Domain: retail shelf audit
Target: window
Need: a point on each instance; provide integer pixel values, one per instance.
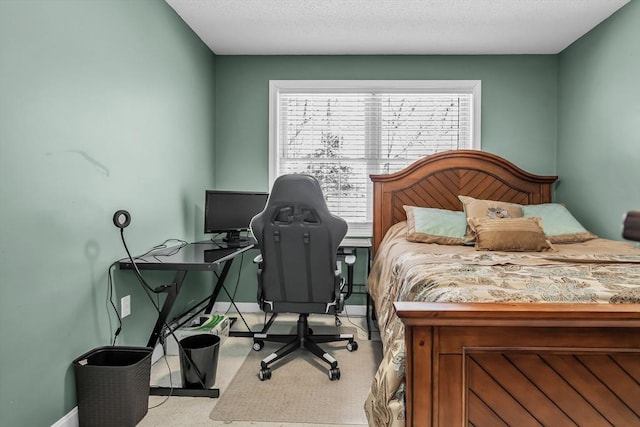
(343, 131)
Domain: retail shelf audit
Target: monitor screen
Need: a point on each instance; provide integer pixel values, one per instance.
(230, 212)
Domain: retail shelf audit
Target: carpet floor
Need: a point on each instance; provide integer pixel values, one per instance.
(299, 389)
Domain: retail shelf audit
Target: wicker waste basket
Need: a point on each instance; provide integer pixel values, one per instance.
(202, 351)
(112, 386)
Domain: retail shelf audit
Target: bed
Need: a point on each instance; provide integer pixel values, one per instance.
(498, 337)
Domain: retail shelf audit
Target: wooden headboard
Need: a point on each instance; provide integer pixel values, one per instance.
(437, 180)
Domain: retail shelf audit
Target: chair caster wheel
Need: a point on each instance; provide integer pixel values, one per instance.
(257, 345)
(338, 322)
(264, 374)
(352, 345)
(309, 331)
(334, 374)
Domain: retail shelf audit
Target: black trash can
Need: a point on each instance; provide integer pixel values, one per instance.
(112, 385)
(202, 350)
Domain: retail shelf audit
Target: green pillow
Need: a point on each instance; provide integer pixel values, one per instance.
(558, 223)
(431, 225)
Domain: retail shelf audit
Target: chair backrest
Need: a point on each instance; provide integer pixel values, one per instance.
(298, 239)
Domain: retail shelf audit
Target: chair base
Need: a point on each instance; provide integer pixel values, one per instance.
(304, 339)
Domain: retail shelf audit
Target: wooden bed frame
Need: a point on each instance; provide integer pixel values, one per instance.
(510, 363)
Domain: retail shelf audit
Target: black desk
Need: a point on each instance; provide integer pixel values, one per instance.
(200, 256)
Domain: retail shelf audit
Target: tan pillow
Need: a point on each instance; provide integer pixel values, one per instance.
(488, 209)
(510, 234)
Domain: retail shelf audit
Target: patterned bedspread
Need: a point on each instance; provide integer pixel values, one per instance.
(596, 271)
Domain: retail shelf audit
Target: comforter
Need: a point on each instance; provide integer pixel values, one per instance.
(596, 271)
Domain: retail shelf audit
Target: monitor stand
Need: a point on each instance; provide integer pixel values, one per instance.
(233, 239)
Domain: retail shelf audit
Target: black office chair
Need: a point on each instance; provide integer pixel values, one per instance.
(298, 240)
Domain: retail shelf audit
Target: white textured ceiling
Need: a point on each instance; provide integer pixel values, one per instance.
(332, 27)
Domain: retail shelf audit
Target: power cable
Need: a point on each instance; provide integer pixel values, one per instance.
(121, 220)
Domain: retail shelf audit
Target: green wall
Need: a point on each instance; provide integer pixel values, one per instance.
(104, 105)
(519, 99)
(599, 123)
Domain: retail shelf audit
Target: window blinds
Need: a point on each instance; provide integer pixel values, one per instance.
(341, 138)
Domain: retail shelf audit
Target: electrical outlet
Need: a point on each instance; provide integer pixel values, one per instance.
(125, 306)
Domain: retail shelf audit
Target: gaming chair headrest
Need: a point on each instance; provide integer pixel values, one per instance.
(302, 192)
(301, 189)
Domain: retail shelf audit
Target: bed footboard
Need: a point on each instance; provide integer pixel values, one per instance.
(521, 364)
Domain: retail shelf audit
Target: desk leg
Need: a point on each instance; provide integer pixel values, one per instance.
(172, 293)
(218, 287)
(349, 280)
(369, 308)
(368, 314)
(216, 291)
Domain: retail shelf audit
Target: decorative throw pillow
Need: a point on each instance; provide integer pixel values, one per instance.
(510, 234)
(559, 225)
(488, 209)
(431, 225)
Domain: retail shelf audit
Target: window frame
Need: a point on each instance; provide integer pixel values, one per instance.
(276, 87)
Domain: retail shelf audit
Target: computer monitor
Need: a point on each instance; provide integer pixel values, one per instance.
(230, 212)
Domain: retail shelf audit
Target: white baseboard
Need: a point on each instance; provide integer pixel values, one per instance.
(243, 307)
(354, 310)
(69, 420)
(158, 352)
